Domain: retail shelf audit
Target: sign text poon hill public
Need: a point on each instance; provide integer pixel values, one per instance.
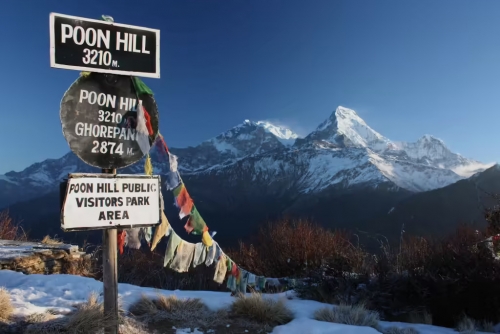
(95, 201)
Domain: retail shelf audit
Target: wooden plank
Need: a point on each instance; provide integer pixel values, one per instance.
(110, 279)
(110, 276)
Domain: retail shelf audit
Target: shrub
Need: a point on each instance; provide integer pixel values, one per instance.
(356, 315)
(165, 311)
(467, 325)
(143, 306)
(174, 304)
(262, 310)
(9, 230)
(297, 247)
(170, 304)
(422, 317)
(6, 308)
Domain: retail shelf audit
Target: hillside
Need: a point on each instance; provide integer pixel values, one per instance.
(343, 174)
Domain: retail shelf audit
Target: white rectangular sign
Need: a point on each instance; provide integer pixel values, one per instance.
(98, 201)
(78, 43)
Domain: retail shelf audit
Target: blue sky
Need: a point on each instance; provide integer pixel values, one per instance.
(407, 67)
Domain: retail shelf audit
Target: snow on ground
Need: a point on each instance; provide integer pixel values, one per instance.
(38, 293)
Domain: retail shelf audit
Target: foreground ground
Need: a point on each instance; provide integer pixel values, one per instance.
(58, 294)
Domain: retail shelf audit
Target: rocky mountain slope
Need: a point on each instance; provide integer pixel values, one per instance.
(438, 212)
(342, 173)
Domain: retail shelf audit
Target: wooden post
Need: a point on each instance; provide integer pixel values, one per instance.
(110, 275)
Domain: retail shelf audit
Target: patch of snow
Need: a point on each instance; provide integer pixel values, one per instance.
(245, 136)
(413, 177)
(66, 170)
(15, 252)
(40, 293)
(472, 168)
(284, 135)
(42, 177)
(329, 168)
(8, 179)
(187, 330)
(223, 146)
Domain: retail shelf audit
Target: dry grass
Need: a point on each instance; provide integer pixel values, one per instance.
(88, 318)
(420, 318)
(170, 304)
(6, 308)
(487, 327)
(466, 326)
(262, 310)
(131, 326)
(174, 304)
(397, 330)
(469, 326)
(37, 318)
(47, 240)
(144, 306)
(356, 315)
(163, 312)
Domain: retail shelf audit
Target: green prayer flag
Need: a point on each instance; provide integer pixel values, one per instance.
(196, 222)
(140, 87)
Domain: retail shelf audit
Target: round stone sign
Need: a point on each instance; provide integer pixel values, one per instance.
(99, 119)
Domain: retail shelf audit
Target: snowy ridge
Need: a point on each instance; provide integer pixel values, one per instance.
(285, 135)
(342, 151)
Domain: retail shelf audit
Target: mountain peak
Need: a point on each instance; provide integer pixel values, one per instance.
(344, 112)
(285, 135)
(244, 139)
(345, 128)
(430, 138)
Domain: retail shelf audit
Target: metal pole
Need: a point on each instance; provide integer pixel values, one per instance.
(110, 275)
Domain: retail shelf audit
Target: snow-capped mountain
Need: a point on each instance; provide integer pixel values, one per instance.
(248, 138)
(346, 129)
(285, 136)
(343, 151)
(344, 174)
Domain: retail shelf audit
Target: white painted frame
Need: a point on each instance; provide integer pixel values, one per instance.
(100, 70)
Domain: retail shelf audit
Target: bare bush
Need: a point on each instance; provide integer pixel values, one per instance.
(262, 310)
(356, 315)
(298, 247)
(9, 230)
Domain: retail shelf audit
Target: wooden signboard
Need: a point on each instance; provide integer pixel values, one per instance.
(100, 201)
(99, 118)
(82, 44)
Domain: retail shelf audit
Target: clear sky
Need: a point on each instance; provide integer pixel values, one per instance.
(407, 67)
